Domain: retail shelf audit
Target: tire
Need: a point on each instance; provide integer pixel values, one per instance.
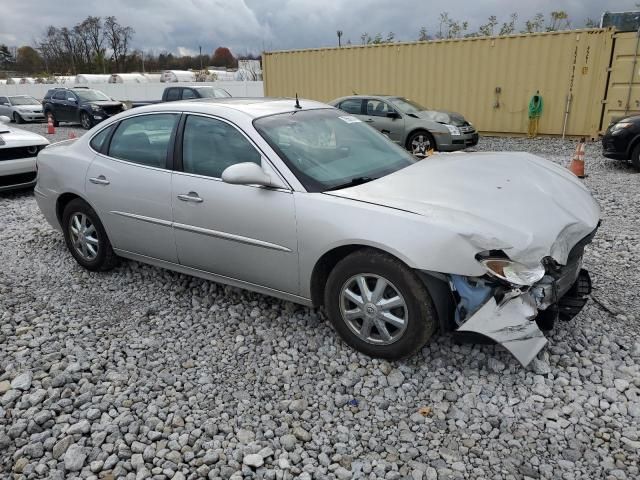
(635, 157)
(103, 258)
(85, 121)
(17, 118)
(48, 113)
(417, 313)
(420, 142)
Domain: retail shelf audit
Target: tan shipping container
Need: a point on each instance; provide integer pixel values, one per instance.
(489, 80)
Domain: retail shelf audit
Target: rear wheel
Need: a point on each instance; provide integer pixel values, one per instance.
(86, 238)
(379, 306)
(420, 142)
(17, 118)
(635, 157)
(85, 120)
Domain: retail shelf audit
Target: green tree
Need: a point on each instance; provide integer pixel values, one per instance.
(28, 60)
(559, 21)
(534, 25)
(487, 29)
(509, 27)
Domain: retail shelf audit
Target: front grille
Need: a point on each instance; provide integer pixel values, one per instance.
(18, 179)
(467, 129)
(18, 152)
(112, 110)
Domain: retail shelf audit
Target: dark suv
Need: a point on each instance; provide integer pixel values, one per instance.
(79, 104)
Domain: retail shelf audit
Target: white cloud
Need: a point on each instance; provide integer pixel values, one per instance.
(254, 25)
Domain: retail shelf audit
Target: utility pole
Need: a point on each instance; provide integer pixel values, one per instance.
(200, 48)
(339, 32)
(142, 61)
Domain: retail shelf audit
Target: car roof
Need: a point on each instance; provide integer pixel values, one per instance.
(387, 97)
(251, 106)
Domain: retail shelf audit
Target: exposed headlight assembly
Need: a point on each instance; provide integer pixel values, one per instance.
(513, 272)
(453, 130)
(95, 108)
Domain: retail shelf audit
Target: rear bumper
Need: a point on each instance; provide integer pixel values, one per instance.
(16, 174)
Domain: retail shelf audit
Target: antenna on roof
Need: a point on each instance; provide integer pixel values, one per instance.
(297, 102)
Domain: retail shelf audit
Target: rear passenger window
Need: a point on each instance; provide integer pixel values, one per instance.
(97, 142)
(209, 146)
(144, 139)
(352, 105)
(173, 94)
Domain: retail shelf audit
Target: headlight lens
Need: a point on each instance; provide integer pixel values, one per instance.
(453, 130)
(620, 126)
(513, 272)
(95, 108)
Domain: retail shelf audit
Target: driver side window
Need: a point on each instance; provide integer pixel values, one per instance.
(209, 146)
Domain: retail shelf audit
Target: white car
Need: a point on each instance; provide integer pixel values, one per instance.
(21, 108)
(304, 202)
(18, 152)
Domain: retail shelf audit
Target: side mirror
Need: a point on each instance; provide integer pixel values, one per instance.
(4, 119)
(248, 173)
(393, 115)
(71, 99)
(6, 104)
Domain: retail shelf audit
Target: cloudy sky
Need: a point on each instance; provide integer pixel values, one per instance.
(255, 25)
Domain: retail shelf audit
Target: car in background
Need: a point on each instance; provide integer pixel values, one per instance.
(416, 128)
(18, 151)
(83, 105)
(190, 92)
(21, 108)
(621, 141)
(304, 202)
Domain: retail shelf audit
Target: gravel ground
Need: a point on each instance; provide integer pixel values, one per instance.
(144, 373)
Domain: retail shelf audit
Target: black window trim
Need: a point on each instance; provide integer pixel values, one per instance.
(177, 154)
(106, 146)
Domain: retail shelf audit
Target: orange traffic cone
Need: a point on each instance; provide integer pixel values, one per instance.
(72, 135)
(577, 163)
(50, 128)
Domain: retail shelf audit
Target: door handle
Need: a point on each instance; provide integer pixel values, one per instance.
(100, 180)
(190, 197)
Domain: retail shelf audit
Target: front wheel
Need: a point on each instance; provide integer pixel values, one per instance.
(420, 143)
(85, 120)
(86, 238)
(379, 306)
(17, 118)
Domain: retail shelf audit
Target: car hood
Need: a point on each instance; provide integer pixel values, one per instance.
(517, 202)
(16, 137)
(440, 116)
(105, 103)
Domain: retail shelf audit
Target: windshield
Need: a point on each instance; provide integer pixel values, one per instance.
(407, 106)
(23, 101)
(210, 92)
(90, 95)
(327, 149)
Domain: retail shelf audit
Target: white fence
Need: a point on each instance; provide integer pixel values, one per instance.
(137, 91)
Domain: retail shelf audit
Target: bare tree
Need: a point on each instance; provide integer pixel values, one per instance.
(509, 27)
(536, 24)
(487, 29)
(118, 38)
(423, 36)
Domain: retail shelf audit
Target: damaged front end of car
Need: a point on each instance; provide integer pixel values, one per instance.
(514, 304)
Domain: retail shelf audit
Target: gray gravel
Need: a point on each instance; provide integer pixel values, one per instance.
(144, 373)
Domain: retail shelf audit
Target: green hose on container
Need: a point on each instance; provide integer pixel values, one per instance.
(535, 112)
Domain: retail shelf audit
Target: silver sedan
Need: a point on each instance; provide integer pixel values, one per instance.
(21, 108)
(307, 203)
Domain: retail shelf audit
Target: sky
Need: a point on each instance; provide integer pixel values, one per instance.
(245, 26)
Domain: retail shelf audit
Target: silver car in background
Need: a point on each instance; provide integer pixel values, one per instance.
(417, 128)
(18, 151)
(21, 108)
(303, 202)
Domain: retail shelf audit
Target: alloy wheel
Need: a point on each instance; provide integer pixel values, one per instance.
(85, 121)
(373, 309)
(420, 145)
(84, 236)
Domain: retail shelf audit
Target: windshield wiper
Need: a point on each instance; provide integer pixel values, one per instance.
(352, 183)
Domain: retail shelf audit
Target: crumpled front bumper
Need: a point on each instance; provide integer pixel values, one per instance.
(516, 317)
